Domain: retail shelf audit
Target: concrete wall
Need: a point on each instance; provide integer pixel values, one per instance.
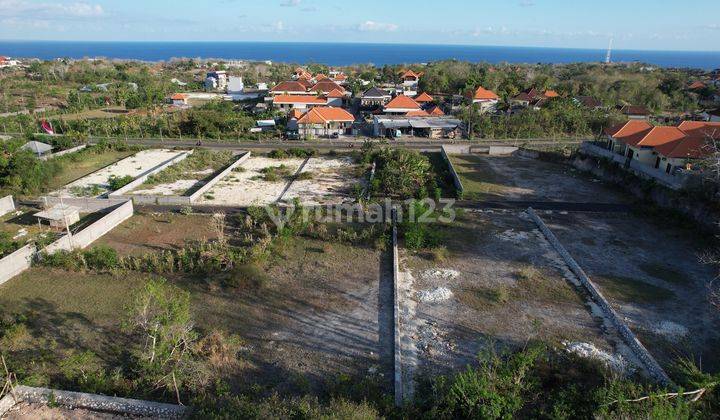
(456, 177)
(397, 348)
(6, 205)
(86, 205)
(94, 402)
(64, 152)
(93, 232)
(16, 263)
(653, 368)
(144, 176)
(205, 188)
(502, 150)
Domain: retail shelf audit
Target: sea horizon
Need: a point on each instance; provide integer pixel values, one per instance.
(347, 53)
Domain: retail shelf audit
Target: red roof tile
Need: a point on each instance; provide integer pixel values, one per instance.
(299, 99)
(485, 95)
(289, 86)
(628, 128)
(322, 115)
(436, 111)
(402, 102)
(423, 98)
(418, 113)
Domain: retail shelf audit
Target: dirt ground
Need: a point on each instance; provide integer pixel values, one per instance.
(523, 179)
(332, 182)
(652, 275)
(319, 315)
(133, 166)
(151, 232)
(246, 187)
(501, 285)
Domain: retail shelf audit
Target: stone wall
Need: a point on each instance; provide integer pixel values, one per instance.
(205, 188)
(653, 368)
(94, 402)
(16, 263)
(456, 177)
(6, 205)
(93, 232)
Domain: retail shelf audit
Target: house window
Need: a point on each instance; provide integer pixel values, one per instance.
(669, 167)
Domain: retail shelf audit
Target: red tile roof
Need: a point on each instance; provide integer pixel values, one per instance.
(689, 147)
(423, 98)
(295, 113)
(335, 93)
(697, 85)
(410, 74)
(340, 77)
(436, 111)
(628, 128)
(289, 86)
(402, 102)
(323, 115)
(550, 94)
(701, 128)
(326, 86)
(299, 99)
(656, 136)
(320, 76)
(178, 96)
(418, 113)
(485, 95)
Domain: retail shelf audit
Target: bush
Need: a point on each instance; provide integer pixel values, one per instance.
(116, 182)
(101, 258)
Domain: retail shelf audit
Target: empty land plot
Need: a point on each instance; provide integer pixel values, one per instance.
(310, 314)
(144, 233)
(257, 182)
(326, 180)
(186, 176)
(96, 183)
(652, 276)
(501, 284)
(83, 163)
(524, 179)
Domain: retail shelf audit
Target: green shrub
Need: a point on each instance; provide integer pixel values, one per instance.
(101, 258)
(116, 182)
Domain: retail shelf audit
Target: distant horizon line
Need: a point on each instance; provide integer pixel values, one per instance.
(351, 43)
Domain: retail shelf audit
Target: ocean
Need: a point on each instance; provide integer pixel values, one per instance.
(336, 54)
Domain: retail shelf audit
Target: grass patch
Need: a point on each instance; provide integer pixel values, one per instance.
(190, 168)
(89, 163)
(664, 273)
(533, 284)
(479, 298)
(478, 178)
(631, 290)
(275, 173)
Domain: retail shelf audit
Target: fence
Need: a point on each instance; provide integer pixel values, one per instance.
(93, 232)
(6, 205)
(652, 366)
(144, 176)
(16, 263)
(456, 177)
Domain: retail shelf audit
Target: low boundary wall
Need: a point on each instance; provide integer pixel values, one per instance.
(93, 402)
(145, 175)
(456, 177)
(64, 152)
(16, 263)
(86, 205)
(184, 200)
(6, 205)
(656, 371)
(93, 232)
(397, 370)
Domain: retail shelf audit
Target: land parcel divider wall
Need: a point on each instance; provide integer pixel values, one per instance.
(653, 368)
(456, 177)
(6, 205)
(120, 193)
(178, 200)
(16, 263)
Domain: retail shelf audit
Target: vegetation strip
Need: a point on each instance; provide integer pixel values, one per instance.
(652, 366)
(398, 385)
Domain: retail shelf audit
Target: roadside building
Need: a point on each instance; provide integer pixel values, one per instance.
(634, 112)
(486, 99)
(324, 87)
(179, 99)
(324, 121)
(216, 80)
(533, 98)
(301, 102)
(374, 97)
(401, 104)
(410, 82)
(589, 102)
(293, 87)
(235, 85)
(424, 99)
(395, 126)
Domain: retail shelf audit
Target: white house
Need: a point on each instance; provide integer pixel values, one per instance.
(235, 85)
(486, 99)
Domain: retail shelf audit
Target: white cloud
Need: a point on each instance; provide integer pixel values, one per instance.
(50, 11)
(290, 3)
(371, 26)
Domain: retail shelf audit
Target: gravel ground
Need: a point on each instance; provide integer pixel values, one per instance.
(332, 182)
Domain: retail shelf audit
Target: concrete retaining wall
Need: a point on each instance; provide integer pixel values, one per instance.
(145, 175)
(652, 366)
(64, 152)
(86, 205)
(16, 263)
(502, 150)
(6, 205)
(456, 177)
(93, 232)
(99, 403)
(205, 188)
(397, 380)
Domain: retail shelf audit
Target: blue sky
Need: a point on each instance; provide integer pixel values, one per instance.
(633, 24)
